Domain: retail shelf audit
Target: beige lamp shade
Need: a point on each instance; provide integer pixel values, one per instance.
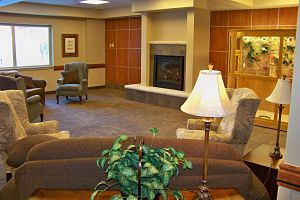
(209, 97)
(281, 94)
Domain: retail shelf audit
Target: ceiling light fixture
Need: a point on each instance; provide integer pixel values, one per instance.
(94, 2)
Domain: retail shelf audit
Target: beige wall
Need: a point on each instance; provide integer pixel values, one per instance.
(168, 26)
(91, 39)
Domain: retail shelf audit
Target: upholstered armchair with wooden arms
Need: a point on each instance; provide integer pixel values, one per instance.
(33, 102)
(235, 128)
(74, 81)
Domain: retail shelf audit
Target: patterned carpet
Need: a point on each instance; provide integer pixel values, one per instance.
(108, 113)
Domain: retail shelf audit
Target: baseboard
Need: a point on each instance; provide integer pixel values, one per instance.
(90, 88)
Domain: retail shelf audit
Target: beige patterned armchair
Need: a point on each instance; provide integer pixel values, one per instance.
(15, 125)
(235, 128)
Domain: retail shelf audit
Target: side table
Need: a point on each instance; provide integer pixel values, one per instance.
(264, 167)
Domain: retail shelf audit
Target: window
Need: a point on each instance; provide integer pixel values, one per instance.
(24, 46)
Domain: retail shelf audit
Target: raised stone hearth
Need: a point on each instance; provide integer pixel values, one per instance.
(156, 96)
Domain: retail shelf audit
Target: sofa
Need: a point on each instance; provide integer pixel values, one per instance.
(32, 86)
(71, 164)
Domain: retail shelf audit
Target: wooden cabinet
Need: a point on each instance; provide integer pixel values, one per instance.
(257, 58)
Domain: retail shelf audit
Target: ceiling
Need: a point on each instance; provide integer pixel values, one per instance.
(73, 3)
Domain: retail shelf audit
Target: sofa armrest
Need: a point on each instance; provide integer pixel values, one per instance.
(84, 82)
(80, 173)
(39, 83)
(33, 99)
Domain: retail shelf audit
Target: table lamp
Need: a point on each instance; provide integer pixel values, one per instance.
(209, 100)
(280, 95)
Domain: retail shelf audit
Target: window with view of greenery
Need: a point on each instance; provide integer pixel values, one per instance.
(24, 46)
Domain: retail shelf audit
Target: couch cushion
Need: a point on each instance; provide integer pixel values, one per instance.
(17, 151)
(69, 87)
(70, 76)
(73, 148)
(28, 81)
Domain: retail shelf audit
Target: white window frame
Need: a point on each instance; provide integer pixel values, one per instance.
(14, 47)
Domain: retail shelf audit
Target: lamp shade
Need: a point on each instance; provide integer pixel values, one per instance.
(209, 97)
(281, 94)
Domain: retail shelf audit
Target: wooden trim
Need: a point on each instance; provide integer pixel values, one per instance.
(96, 66)
(59, 67)
(270, 123)
(289, 177)
(91, 66)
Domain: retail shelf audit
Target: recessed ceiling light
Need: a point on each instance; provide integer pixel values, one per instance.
(94, 2)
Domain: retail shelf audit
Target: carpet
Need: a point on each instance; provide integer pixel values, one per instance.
(108, 113)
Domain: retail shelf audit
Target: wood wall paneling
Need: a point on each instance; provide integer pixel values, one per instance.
(264, 17)
(135, 58)
(239, 18)
(288, 16)
(219, 59)
(219, 18)
(218, 38)
(123, 60)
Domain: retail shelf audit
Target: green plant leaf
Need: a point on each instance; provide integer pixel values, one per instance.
(167, 167)
(177, 194)
(94, 194)
(153, 131)
(104, 152)
(180, 154)
(123, 138)
(187, 164)
(172, 150)
(117, 146)
(127, 171)
(131, 146)
(114, 158)
(101, 162)
(163, 194)
(131, 197)
(116, 197)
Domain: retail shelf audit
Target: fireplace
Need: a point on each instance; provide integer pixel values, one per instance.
(168, 72)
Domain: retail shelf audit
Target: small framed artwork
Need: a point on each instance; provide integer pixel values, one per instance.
(69, 45)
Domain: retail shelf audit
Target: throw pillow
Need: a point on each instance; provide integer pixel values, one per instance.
(28, 81)
(70, 77)
(18, 150)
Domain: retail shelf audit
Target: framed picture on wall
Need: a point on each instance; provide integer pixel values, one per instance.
(69, 45)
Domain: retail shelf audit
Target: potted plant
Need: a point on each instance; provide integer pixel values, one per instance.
(157, 167)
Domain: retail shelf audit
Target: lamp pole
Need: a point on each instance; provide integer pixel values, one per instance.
(203, 192)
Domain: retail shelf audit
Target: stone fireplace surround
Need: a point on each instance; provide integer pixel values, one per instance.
(155, 95)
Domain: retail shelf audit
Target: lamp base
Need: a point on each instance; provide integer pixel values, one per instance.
(203, 192)
(276, 153)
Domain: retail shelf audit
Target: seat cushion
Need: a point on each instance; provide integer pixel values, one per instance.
(69, 87)
(70, 76)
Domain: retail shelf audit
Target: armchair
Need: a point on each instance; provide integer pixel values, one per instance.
(15, 125)
(34, 107)
(235, 128)
(78, 86)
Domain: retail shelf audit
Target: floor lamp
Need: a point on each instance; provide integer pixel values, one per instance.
(280, 95)
(208, 100)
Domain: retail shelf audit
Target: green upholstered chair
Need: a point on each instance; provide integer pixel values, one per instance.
(74, 89)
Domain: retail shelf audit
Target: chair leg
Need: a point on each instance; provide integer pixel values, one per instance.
(42, 117)
(80, 99)
(86, 97)
(57, 99)
(67, 97)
